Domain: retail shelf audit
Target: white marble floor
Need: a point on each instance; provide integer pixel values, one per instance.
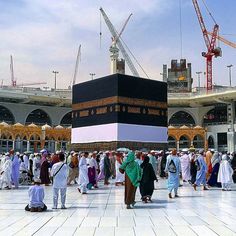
(102, 212)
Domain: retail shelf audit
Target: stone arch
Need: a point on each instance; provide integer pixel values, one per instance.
(198, 141)
(35, 137)
(6, 142)
(211, 142)
(38, 117)
(216, 115)
(172, 142)
(6, 115)
(18, 136)
(180, 118)
(3, 136)
(66, 119)
(7, 134)
(184, 142)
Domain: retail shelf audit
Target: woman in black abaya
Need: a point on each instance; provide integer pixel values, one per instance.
(147, 182)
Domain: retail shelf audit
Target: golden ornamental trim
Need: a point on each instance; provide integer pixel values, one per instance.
(117, 99)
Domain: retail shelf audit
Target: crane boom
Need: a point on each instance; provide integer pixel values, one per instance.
(76, 65)
(201, 22)
(120, 45)
(210, 44)
(13, 81)
(231, 44)
(123, 27)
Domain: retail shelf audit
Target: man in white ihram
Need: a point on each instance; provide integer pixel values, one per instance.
(5, 173)
(83, 174)
(59, 174)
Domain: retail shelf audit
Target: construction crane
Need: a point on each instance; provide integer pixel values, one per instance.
(114, 53)
(13, 80)
(212, 50)
(77, 65)
(122, 30)
(233, 45)
(116, 37)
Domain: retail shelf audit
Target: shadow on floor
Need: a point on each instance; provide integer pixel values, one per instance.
(189, 196)
(81, 207)
(148, 206)
(90, 193)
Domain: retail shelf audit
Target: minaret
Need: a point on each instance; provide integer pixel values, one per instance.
(117, 66)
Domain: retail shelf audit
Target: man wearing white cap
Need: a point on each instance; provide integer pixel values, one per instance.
(36, 196)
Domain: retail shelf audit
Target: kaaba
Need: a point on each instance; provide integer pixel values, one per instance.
(119, 111)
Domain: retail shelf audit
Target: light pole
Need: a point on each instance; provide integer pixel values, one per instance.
(230, 75)
(55, 73)
(199, 74)
(92, 75)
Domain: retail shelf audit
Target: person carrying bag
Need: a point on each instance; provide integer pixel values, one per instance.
(59, 174)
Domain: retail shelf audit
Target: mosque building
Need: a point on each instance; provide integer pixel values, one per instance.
(31, 119)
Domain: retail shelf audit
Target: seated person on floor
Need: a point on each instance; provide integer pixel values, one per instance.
(36, 196)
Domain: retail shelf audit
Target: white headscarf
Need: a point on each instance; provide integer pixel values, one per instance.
(224, 157)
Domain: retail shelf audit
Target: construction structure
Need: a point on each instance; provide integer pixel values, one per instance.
(118, 65)
(78, 58)
(13, 78)
(178, 76)
(212, 50)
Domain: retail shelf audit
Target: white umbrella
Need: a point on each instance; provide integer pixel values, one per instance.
(123, 150)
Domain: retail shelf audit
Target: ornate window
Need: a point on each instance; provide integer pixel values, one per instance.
(181, 118)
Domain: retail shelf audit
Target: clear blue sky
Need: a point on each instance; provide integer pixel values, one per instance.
(44, 35)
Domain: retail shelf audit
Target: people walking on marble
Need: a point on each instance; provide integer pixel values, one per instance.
(15, 168)
(225, 174)
(59, 174)
(73, 167)
(44, 166)
(5, 172)
(173, 169)
(107, 168)
(83, 174)
(132, 179)
(185, 166)
(201, 171)
(147, 181)
(120, 177)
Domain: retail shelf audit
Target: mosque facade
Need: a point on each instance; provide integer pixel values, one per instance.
(33, 119)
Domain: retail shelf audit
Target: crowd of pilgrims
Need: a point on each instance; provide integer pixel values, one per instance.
(132, 169)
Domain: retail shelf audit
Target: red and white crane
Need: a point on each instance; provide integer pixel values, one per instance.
(212, 50)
